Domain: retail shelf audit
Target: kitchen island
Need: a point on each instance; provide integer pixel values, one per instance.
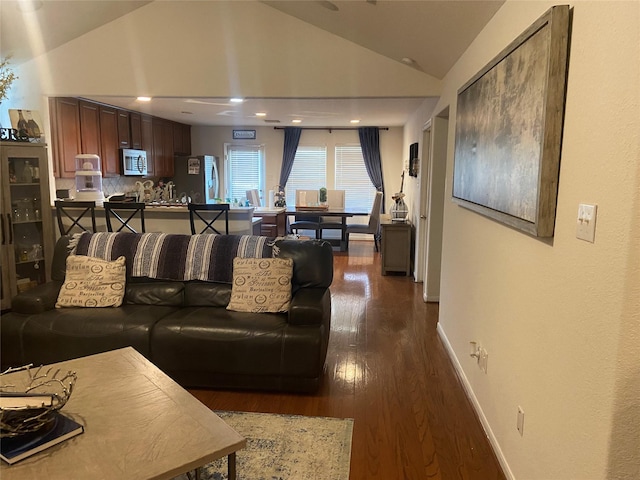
(170, 218)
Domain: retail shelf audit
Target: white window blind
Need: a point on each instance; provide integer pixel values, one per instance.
(352, 176)
(244, 170)
(309, 171)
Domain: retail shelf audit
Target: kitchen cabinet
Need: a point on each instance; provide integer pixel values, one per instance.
(395, 247)
(65, 133)
(124, 133)
(181, 139)
(169, 155)
(146, 143)
(83, 126)
(109, 142)
(135, 125)
(26, 224)
(162, 147)
(89, 127)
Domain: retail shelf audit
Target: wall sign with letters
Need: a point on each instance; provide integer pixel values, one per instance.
(244, 134)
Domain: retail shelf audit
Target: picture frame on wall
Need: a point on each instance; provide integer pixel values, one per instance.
(509, 129)
(414, 161)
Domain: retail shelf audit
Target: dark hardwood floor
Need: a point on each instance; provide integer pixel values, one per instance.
(388, 370)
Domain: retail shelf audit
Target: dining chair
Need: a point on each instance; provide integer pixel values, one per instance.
(216, 210)
(306, 222)
(254, 197)
(68, 209)
(372, 227)
(335, 199)
(118, 210)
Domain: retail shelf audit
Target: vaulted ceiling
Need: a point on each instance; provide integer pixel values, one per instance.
(426, 35)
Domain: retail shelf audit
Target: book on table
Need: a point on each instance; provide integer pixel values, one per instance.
(14, 449)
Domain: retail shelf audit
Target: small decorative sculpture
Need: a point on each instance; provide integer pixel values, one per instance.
(279, 197)
(55, 386)
(399, 210)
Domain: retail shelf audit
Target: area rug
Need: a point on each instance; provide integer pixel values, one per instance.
(286, 447)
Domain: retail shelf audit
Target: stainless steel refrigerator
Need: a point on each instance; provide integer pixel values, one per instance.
(197, 176)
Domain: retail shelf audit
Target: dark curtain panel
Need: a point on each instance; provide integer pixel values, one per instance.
(291, 140)
(370, 143)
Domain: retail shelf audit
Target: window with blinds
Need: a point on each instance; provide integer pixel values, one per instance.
(309, 171)
(244, 170)
(352, 176)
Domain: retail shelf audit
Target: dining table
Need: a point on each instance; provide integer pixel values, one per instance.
(342, 213)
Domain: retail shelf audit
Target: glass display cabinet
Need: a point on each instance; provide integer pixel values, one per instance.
(26, 227)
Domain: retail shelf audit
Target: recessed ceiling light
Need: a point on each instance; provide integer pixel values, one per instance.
(408, 61)
(236, 100)
(261, 114)
(355, 121)
(297, 120)
(144, 99)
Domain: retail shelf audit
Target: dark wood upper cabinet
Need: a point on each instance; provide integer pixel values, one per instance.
(181, 139)
(146, 142)
(65, 130)
(158, 148)
(83, 126)
(135, 124)
(109, 141)
(89, 127)
(169, 150)
(177, 137)
(124, 135)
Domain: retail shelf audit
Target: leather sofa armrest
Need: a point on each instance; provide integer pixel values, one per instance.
(310, 306)
(38, 299)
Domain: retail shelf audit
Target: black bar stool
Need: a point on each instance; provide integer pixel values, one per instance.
(88, 207)
(111, 209)
(209, 220)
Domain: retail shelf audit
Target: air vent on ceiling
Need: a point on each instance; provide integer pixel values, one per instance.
(271, 121)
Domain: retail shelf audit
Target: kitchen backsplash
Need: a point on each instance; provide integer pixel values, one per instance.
(110, 185)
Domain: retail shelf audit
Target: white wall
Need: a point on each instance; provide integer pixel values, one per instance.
(211, 140)
(560, 320)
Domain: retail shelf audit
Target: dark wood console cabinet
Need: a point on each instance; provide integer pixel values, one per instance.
(274, 224)
(395, 248)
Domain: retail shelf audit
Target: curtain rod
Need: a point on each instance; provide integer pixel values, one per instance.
(328, 128)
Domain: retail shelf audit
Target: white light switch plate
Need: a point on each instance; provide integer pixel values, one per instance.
(586, 226)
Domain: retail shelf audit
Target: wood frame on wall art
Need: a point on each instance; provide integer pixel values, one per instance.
(509, 129)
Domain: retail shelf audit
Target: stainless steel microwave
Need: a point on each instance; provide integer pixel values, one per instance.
(134, 162)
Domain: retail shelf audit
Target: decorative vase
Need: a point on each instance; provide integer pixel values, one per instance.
(399, 211)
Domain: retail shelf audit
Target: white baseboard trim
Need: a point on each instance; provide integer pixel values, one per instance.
(476, 405)
(432, 298)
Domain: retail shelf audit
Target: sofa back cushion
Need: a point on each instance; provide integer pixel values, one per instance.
(155, 293)
(312, 262)
(206, 294)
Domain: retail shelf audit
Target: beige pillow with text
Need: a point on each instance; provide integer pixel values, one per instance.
(261, 285)
(92, 282)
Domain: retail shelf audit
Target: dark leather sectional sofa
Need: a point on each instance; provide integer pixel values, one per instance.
(184, 327)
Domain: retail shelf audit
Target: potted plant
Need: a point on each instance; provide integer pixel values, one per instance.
(6, 78)
(322, 196)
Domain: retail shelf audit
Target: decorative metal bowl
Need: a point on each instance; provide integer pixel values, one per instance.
(54, 385)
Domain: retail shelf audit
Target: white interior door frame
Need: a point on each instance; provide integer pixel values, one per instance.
(439, 130)
(423, 202)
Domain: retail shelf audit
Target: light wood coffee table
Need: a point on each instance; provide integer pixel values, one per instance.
(139, 424)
